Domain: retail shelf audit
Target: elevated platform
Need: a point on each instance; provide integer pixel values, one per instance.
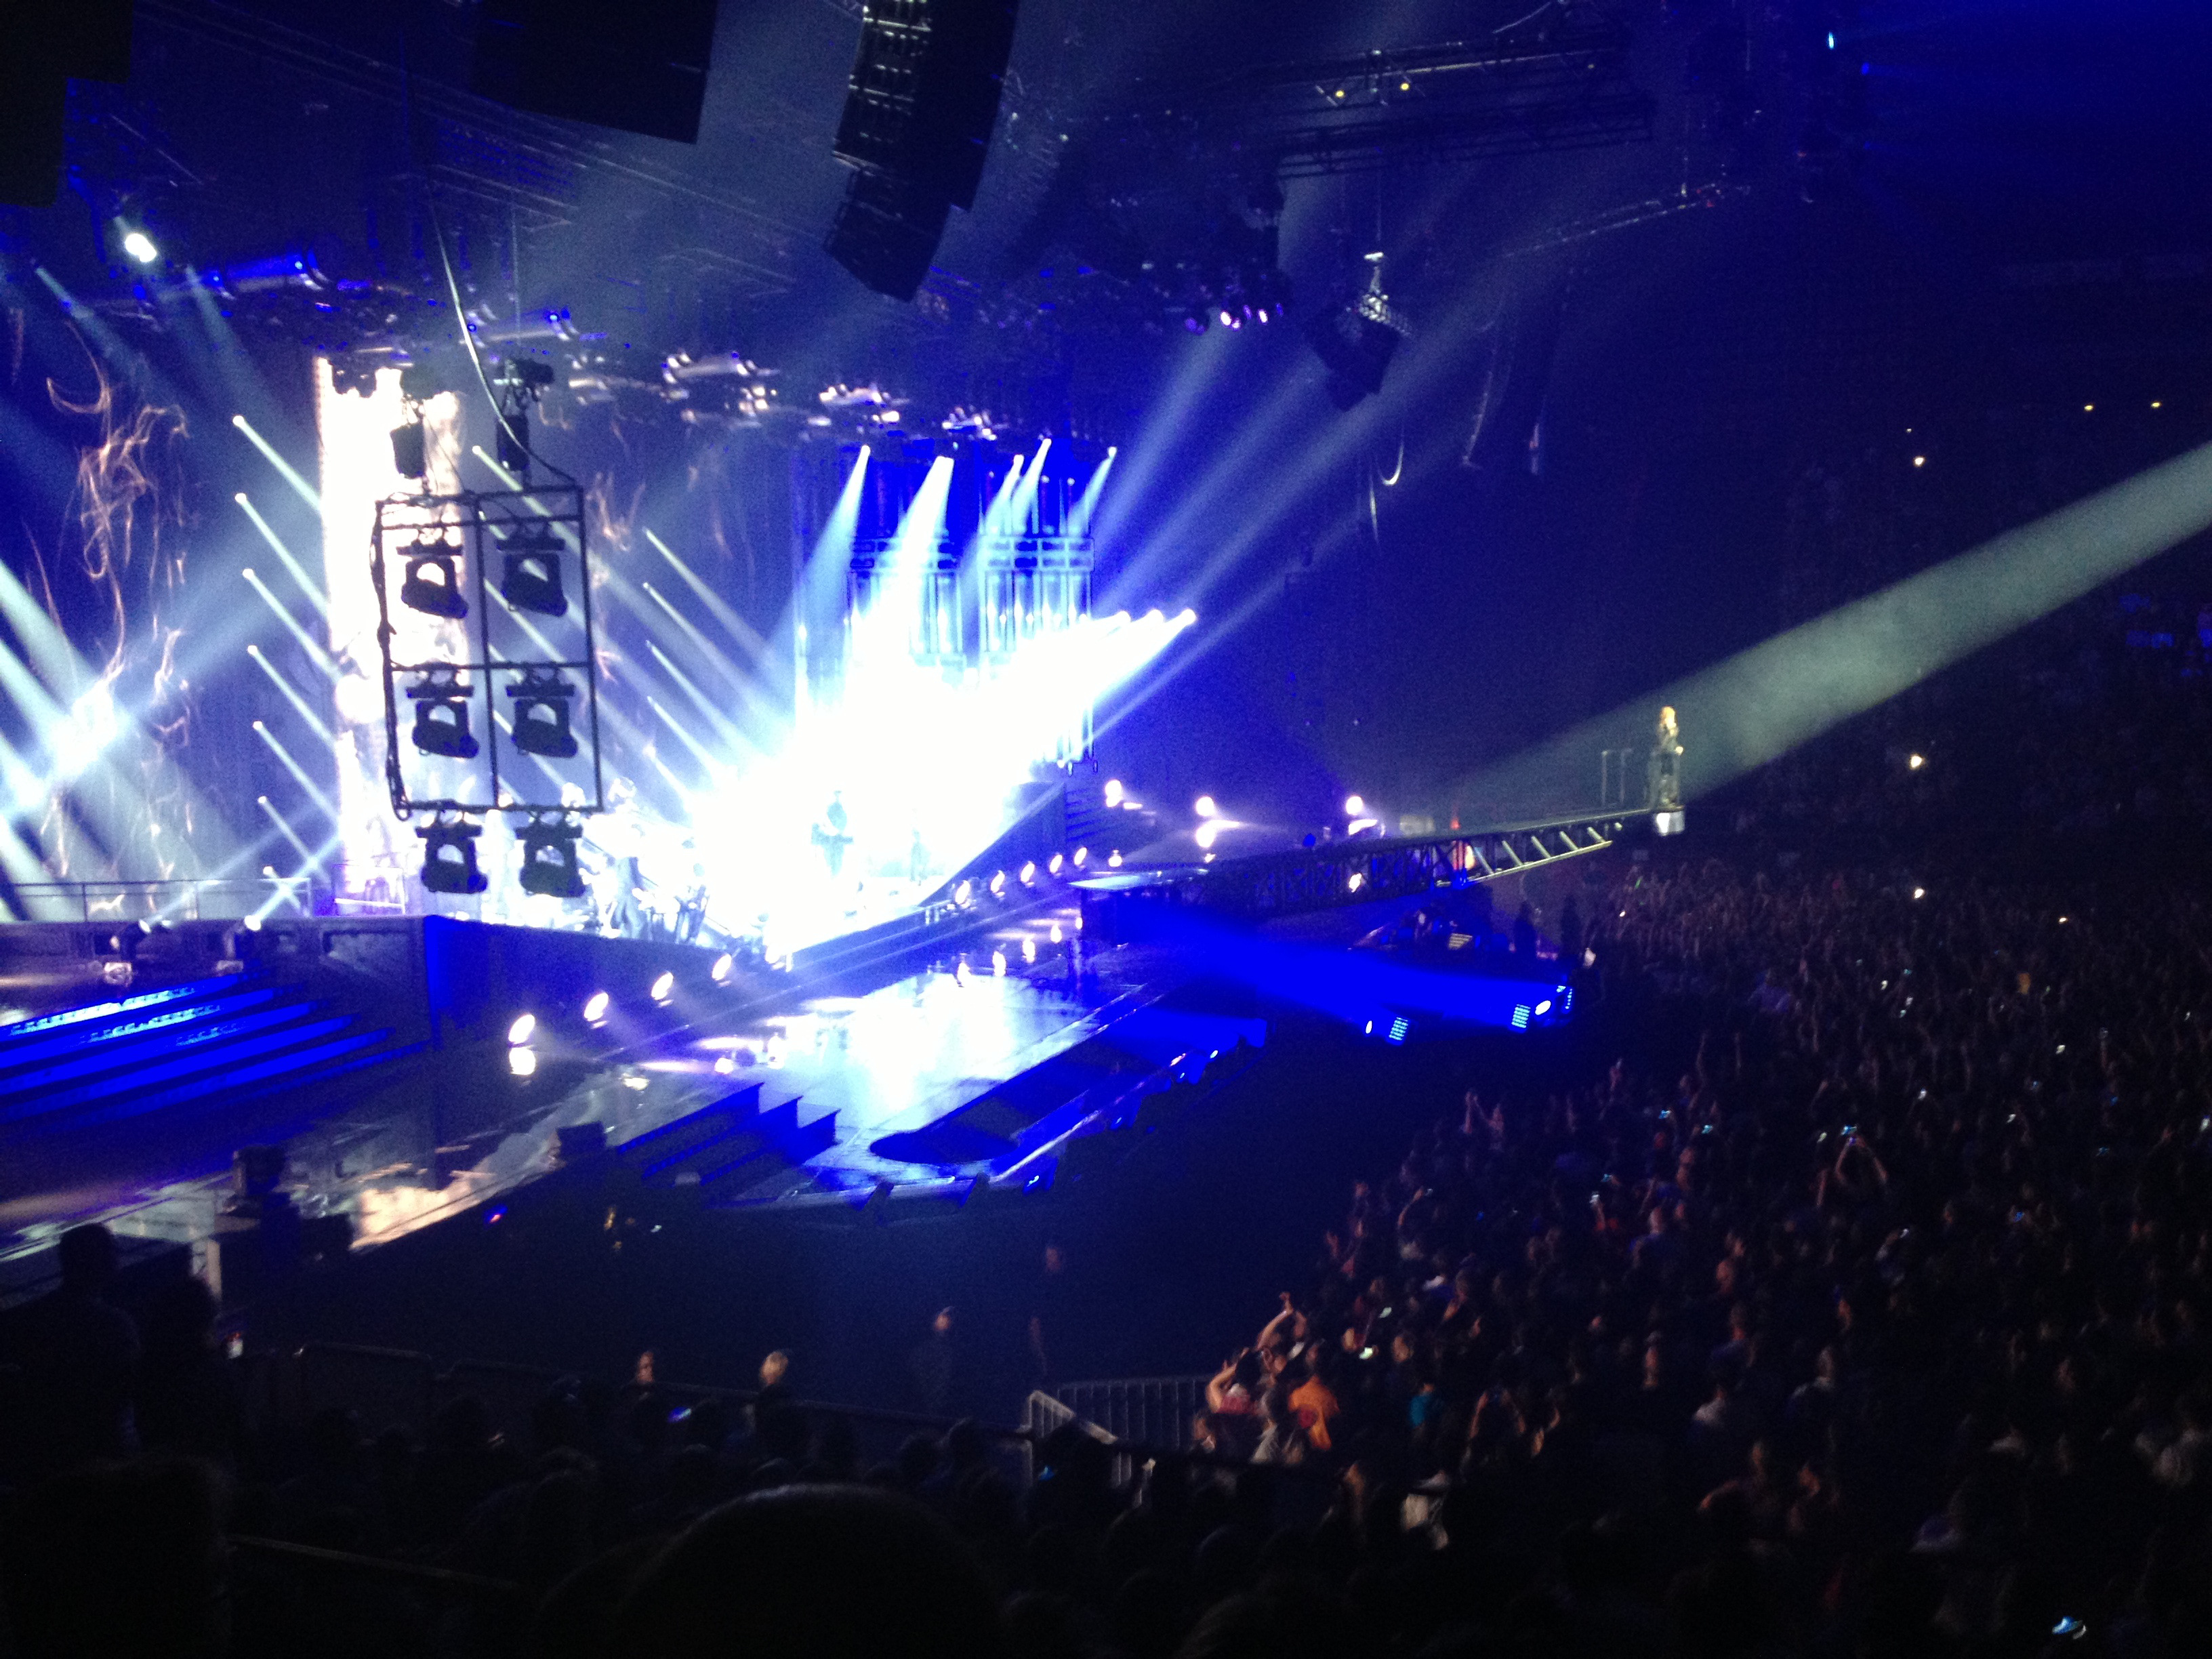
(975, 1042)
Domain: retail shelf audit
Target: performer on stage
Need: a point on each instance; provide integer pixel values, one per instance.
(1667, 764)
(829, 835)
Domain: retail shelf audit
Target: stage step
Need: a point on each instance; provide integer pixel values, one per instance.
(185, 1051)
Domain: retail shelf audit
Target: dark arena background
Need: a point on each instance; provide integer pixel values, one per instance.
(1069, 831)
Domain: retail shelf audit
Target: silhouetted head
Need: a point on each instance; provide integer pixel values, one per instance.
(88, 1259)
(832, 1572)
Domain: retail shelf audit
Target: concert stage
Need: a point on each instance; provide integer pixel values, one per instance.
(416, 1068)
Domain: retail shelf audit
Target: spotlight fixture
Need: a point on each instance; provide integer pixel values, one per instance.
(433, 582)
(724, 964)
(549, 855)
(541, 714)
(441, 716)
(998, 884)
(449, 859)
(140, 246)
(520, 1031)
(531, 579)
(664, 987)
(1357, 340)
(522, 1062)
(1354, 807)
(1028, 874)
(595, 1006)
(1082, 856)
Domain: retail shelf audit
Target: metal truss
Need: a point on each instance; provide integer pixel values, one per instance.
(495, 642)
(1562, 84)
(1360, 872)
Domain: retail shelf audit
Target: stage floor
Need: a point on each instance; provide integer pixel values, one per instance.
(896, 1057)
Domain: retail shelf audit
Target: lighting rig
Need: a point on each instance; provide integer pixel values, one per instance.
(509, 656)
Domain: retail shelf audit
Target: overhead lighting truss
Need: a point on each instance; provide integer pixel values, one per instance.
(1559, 82)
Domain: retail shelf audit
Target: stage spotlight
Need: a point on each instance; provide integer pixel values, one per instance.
(664, 987)
(1029, 950)
(1082, 856)
(449, 859)
(519, 1032)
(1114, 792)
(726, 1064)
(532, 578)
(549, 859)
(442, 716)
(432, 585)
(724, 964)
(1208, 833)
(1229, 318)
(541, 714)
(1358, 340)
(522, 1062)
(595, 1006)
(964, 893)
(1115, 860)
(999, 964)
(1028, 874)
(1204, 808)
(140, 246)
(1916, 762)
(1054, 867)
(1354, 807)
(998, 884)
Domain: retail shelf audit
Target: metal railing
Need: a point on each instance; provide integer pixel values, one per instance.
(1148, 1410)
(183, 898)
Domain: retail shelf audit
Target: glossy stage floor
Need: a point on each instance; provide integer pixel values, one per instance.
(927, 1067)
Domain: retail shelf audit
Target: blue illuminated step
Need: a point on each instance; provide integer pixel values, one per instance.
(166, 1018)
(147, 1047)
(95, 1010)
(225, 1058)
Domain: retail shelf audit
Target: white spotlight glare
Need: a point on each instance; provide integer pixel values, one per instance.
(1028, 874)
(1114, 792)
(140, 246)
(519, 1032)
(595, 1006)
(1115, 860)
(1920, 893)
(1054, 867)
(523, 1062)
(1916, 762)
(998, 884)
(1208, 832)
(723, 966)
(726, 1064)
(664, 987)
(1029, 950)
(1354, 807)
(999, 964)
(1082, 856)
(1204, 808)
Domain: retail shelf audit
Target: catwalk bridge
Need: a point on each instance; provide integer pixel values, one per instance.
(1260, 886)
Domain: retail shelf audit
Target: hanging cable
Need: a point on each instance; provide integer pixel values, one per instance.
(446, 264)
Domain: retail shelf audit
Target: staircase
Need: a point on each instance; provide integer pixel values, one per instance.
(728, 1148)
(165, 1059)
